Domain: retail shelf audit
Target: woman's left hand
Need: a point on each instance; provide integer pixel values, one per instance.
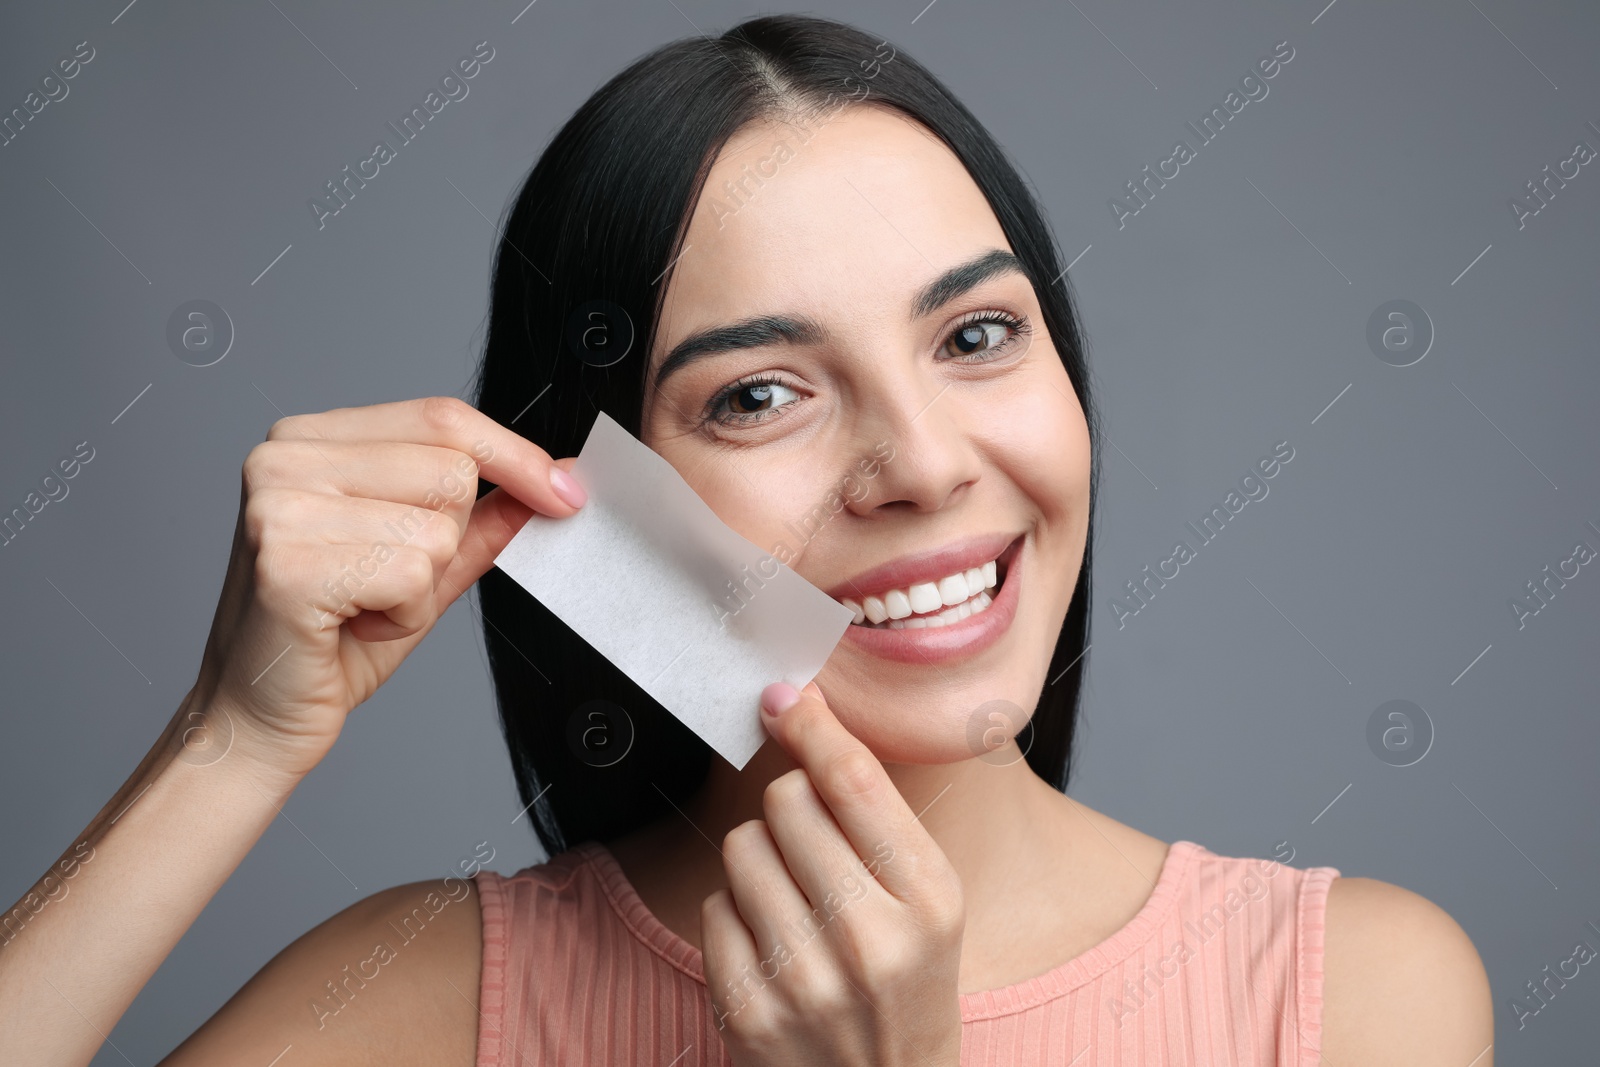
(839, 940)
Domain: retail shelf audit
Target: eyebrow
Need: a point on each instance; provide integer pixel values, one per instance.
(763, 330)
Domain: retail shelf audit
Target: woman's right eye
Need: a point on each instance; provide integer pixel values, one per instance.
(745, 401)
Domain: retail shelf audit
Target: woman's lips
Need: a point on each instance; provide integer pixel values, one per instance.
(931, 645)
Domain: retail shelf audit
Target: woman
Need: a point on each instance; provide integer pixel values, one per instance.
(769, 255)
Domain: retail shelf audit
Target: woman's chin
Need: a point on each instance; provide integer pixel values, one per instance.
(951, 733)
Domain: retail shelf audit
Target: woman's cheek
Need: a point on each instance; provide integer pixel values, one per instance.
(1046, 448)
(776, 510)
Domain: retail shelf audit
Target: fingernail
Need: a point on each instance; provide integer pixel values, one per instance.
(567, 487)
(779, 697)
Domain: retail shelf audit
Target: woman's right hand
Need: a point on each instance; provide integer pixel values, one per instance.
(357, 528)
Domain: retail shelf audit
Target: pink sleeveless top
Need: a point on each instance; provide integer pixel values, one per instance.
(1221, 965)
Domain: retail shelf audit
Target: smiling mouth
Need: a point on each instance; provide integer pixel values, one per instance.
(927, 605)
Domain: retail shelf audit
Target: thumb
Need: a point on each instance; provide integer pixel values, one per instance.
(496, 518)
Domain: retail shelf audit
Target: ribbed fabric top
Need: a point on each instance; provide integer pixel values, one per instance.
(1221, 965)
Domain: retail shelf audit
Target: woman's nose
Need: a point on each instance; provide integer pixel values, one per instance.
(933, 457)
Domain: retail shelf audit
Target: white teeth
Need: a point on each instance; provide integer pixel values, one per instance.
(925, 598)
(914, 607)
(876, 612)
(944, 618)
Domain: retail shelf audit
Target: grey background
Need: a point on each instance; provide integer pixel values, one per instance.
(1225, 317)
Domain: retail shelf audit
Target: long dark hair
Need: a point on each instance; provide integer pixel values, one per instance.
(601, 217)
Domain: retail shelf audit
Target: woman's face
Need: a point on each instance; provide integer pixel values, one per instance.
(878, 418)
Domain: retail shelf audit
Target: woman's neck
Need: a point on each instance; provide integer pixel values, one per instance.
(980, 813)
(1043, 876)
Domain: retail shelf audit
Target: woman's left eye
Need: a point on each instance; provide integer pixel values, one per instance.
(985, 333)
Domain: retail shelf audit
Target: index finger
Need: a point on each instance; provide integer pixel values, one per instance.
(504, 456)
(857, 790)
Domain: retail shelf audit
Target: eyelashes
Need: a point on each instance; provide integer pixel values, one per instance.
(974, 323)
(759, 385)
(977, 328)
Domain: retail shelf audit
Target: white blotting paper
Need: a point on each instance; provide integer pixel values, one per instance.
(698, 616)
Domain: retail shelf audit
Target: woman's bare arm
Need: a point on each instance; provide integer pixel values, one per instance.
(83, 941)
(391, 981)
(357, 529)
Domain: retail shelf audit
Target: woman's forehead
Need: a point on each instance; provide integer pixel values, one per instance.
(843, 218)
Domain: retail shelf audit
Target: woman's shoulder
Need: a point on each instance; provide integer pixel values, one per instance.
(391, 979)
(1403, 983)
